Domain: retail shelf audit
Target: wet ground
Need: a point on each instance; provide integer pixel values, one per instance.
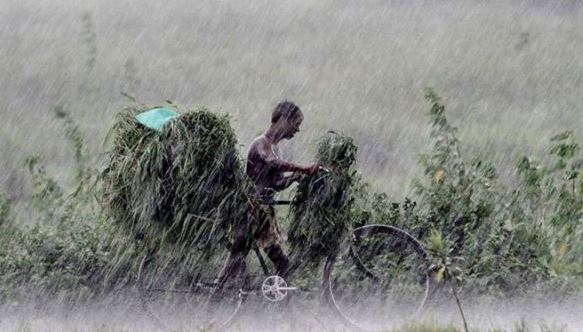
(484, 314)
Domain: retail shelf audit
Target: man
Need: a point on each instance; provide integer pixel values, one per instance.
(267, 171)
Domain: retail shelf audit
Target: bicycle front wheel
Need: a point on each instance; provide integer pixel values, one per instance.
(380, 278)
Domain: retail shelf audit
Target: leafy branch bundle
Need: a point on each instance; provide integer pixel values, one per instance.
(320, 212)
(181, 185)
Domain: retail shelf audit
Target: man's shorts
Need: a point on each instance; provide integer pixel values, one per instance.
(267, 231)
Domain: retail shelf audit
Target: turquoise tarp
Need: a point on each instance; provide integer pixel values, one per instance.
(156, 118)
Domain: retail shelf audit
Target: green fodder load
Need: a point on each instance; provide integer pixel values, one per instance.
(320, 212)
(183, 184)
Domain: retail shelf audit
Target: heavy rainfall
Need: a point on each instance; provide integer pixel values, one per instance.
(330, 165)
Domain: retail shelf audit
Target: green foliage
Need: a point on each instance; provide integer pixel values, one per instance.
(62, 261)
(336, 152)
(427, 327)
(65, 255)
(498, 238)
(5, 210)
(90, 40)
(77, 252)
(75, 136)
(550, 198)
(47, 195)
(184, 185)
(169, 200)
(452, 189)
(320, 212)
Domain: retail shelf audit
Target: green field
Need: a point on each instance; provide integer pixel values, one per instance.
(510, 72)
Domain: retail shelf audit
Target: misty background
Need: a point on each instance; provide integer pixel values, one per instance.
(510, 74)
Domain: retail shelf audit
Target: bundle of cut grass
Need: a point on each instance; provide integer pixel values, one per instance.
(183, 184)
(320, 212)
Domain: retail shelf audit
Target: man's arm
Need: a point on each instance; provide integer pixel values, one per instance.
(286, 181)
(263, 150)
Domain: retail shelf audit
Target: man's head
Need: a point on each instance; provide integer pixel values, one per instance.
(287, 117)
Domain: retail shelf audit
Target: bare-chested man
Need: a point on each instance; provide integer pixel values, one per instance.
(266, 169)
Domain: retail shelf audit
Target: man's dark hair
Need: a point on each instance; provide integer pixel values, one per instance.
(285, 109)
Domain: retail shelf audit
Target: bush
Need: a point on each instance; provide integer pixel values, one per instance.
(503, 238)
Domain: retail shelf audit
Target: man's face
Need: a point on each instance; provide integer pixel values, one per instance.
(292, 126)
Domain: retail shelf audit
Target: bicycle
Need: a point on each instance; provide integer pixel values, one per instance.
(384, 263)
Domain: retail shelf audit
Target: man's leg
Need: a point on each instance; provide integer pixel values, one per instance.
(272, 238)
(281, 262)
(234, 265)
(279, 259)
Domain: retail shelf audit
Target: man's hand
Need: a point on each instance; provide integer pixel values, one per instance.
(312, 169)
(297, 176)
(285, 182)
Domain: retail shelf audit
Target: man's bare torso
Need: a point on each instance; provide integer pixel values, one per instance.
(265, 177)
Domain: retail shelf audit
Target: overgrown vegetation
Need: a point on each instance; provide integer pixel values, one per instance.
(183, 185)
(170, 199)
(506, 238)
(5, 210)
(320, 212)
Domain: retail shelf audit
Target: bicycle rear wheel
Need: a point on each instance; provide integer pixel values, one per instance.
(171, 306)
(380, 279)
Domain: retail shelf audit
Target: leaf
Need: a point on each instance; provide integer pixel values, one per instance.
(439, 176)
(562, 249)
(440, 275)
(577, 164)
(128, 96)
(565, 150)
(435, 241)
(562, 136)
(60, 111)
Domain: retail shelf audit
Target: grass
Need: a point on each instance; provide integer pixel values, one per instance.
(184, 184)
(466, 50)
(486, 236)
(423, 326)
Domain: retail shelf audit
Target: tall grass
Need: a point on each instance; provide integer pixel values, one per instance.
(244, 58)
(493, 238)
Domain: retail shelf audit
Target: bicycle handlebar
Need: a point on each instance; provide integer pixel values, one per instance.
(267, 199)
